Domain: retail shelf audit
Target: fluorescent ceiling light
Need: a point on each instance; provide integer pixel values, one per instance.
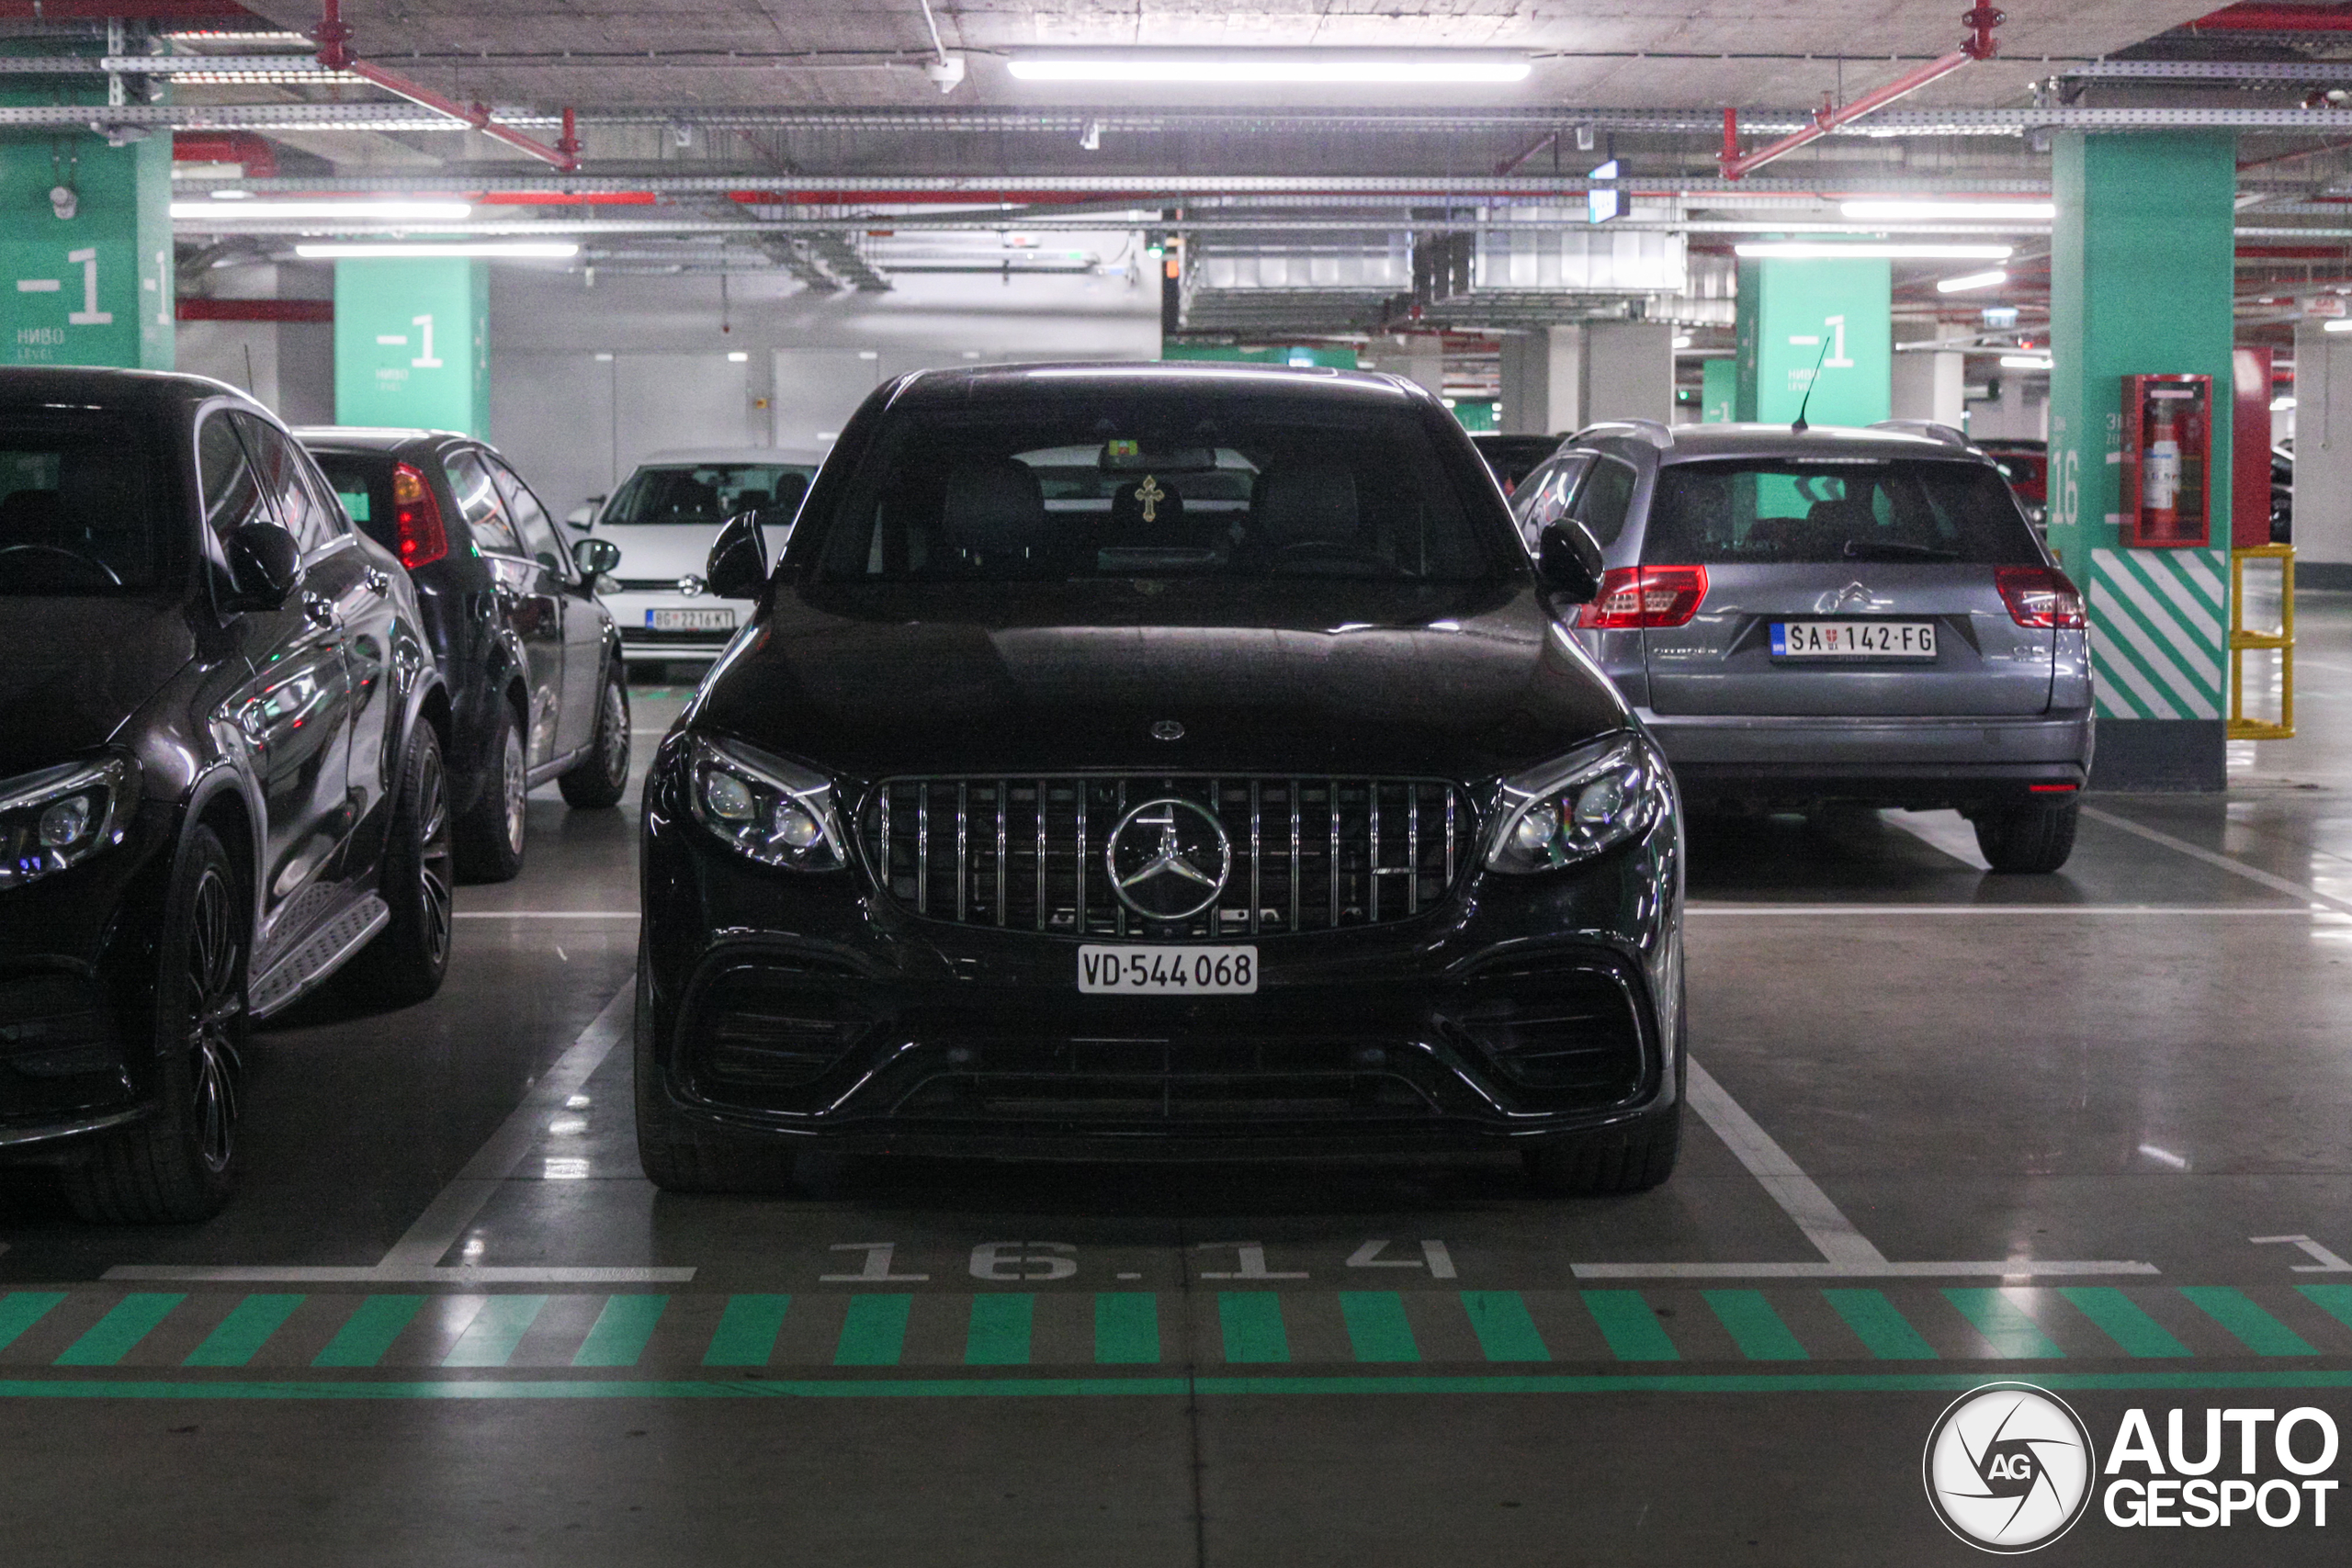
(1683, 342)
(2024, 362)
(2338, 324)
(2281, 405)
(1249, 67)
(263, 211)
(1793, 249)
(345, 250)
(1951, 211)
(1966, 281)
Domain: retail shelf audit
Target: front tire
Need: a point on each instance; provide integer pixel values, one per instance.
(491, 836)
(406, 962)
(180, 1164)
(1631, 1158)
(683, 1156)
(601, 778)
(2028, 840)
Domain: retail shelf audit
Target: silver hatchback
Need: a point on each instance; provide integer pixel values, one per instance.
(1832, 614)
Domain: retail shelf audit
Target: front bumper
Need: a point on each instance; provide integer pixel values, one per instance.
(808, 1007)
(77, 966)
(1920, 762)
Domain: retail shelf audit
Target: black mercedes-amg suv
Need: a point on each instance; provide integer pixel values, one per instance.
(1148, 761)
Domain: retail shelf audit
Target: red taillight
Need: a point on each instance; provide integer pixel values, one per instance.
(1637, 596)
(2040, 596)
(2053, 789)
(418, 518)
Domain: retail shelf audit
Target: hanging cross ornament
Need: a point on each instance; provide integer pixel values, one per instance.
(1151, 495)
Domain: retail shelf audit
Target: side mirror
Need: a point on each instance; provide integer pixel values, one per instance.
(1568, 561)
(739, 558)
(264, 565)
(595, 556)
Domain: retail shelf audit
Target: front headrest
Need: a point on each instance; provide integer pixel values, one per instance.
(1844, 515)
(993, 507)
(1307, 502)
(34, 517)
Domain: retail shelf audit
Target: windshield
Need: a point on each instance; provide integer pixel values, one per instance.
(1153, 485)
(1771, 511)
(707, 494)
(74, 513)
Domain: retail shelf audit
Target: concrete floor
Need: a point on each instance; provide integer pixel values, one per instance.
(1953, 1129)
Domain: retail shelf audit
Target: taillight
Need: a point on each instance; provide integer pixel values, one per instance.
(1638, 596)
(416, 516)
(2040, 596)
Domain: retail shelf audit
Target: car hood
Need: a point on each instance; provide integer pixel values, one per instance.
(1294, 675)
(670, 550)
(72, 669)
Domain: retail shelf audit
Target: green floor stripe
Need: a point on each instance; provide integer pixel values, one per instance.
(1253, 1321)
(2015, 1336)
(2334, 1300)
(1126, 1328)
(2261, 1333)
(490, 1339)
(1153, 1387)
(1630, 1326)
(2122, 1321)
(875, 1332)
(369, 1332)
(1376, 1325)
(19, 1309)
(245, 1331)
(621, 1332)
(998, 1335)
(1881, 1325)
(1754, 1326)
(1505, 1332)
(111, 1337)
(747, 1331)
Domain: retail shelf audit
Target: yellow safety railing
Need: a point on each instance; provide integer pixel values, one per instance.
(2281, 642)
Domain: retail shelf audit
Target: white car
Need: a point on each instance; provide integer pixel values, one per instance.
(663, 518)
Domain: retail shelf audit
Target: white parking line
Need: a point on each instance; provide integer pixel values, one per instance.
(2225, 863)
(415, 1258)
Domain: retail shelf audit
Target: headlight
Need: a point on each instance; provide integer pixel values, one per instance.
(61, 816)
(1574, 808)
(778, 813)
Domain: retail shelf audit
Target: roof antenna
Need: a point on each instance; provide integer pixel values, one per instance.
(1819, 360)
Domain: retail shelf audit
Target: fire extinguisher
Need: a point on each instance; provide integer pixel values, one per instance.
(2160, 474)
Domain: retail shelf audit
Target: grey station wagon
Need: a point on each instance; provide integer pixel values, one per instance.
(1811, 616)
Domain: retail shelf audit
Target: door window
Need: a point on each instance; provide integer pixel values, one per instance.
(1543, 495)
(479, 502)
(1603, 500)
(232, 493)
(531, 519)
(277, 468)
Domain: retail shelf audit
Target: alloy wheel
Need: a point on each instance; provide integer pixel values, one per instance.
(435, 870)
(215, 1016)
(513, 784)
(613, 723)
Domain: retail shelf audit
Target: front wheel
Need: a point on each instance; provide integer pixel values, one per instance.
(599, 779)
(1631, 1158)
(179, 1164)
(410, 956)
(2029, 839)
(491, 836)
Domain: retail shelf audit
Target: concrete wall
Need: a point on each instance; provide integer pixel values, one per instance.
(2323, 457)
(1929, 385)
(1628, 371)
(287, 366)
(2021, 414)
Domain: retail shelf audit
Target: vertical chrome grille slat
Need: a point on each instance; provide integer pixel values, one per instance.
(985, 891)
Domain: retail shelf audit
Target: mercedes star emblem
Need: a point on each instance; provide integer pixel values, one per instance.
(1168, 729)
(1168, 859)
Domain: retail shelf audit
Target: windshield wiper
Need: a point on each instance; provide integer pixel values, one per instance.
(1894, 549)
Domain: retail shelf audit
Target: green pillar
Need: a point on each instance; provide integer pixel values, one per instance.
(1718, 391)
(96, 287)
(1797, 314)
(2141, 282)
(411, 344)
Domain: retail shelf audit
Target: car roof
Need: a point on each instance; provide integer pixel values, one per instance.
(989, 383)
(369, 437)
(1698, 442)
(795, 455)
(103, 386)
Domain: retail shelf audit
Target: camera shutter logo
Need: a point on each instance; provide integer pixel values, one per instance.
(2010, 1468)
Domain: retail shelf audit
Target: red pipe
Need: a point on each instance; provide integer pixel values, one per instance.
(1981, 45)
(258, 156)
(2278, 19)
(334, 36)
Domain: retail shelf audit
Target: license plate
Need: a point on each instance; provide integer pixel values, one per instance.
(691, 620)
(1168, 971)
(1853, 639)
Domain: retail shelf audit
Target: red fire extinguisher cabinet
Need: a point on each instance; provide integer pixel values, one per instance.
(2167, 490)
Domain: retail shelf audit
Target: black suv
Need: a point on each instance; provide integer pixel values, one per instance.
(221, 775)
(1130, 762)
(536, 687)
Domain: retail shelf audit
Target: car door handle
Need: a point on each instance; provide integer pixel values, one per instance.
(320, 612)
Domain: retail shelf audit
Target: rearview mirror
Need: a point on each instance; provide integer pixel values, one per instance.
(595, 556)
(264, 564)
(738, 568)
(1568, 561)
